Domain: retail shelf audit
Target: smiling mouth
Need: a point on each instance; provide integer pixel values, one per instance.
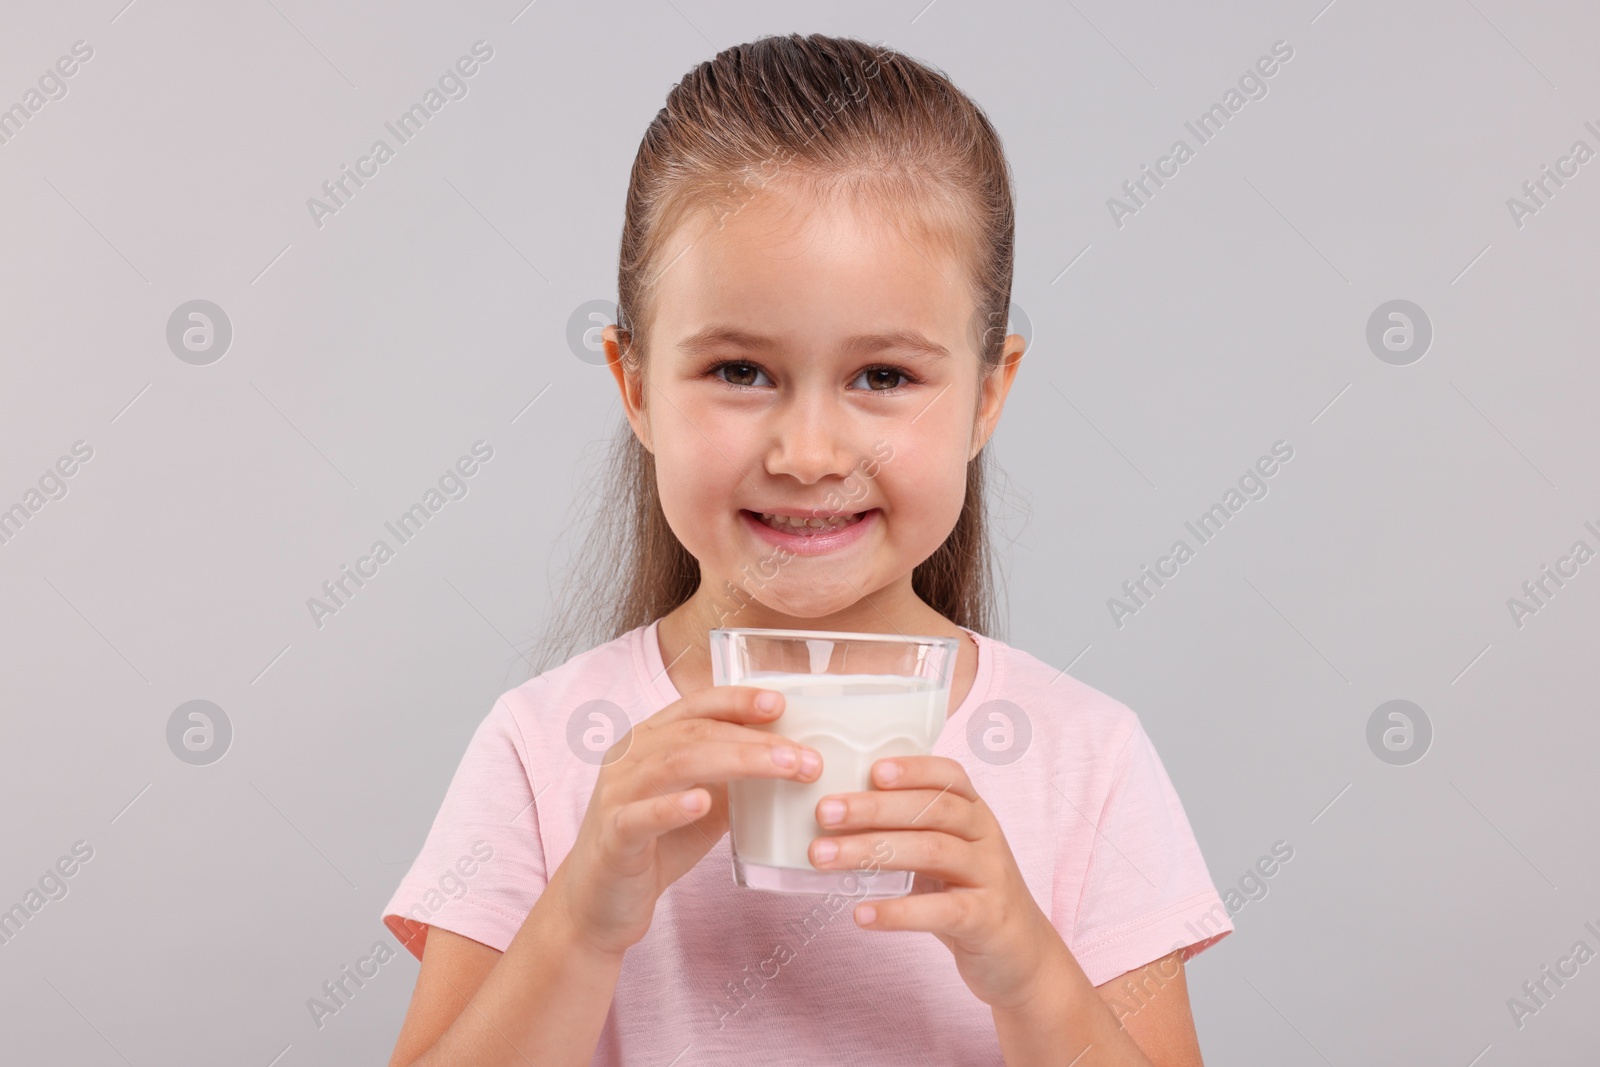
(806, 525)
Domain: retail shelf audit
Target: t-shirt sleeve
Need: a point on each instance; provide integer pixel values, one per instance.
(482, 865)
(1147, 892)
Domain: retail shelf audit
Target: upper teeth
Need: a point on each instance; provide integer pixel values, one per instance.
(801, 522)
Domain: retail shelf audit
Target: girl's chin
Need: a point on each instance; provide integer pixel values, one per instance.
(800, 607)
(756, 583)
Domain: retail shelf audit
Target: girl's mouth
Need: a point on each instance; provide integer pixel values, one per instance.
(806, 535)
(804, 524)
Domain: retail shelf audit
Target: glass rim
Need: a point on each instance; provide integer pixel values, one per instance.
(837, 635)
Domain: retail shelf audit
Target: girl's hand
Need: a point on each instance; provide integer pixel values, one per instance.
(935, 823)
(661, 802)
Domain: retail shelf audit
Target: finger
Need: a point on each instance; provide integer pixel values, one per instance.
(923, 772)
(680, 766)
(697, 730)
(951, 912)
(637, 824)
(903, 809)
(937, 855)
(734, 703)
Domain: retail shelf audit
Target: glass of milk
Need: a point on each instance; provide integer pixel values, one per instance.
(854, 697)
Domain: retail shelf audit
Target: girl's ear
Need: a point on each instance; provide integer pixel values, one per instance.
(630, 382)
(993, 389)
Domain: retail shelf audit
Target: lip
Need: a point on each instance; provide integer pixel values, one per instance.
(811, 544)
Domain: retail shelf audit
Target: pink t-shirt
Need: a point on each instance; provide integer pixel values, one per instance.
(725, 972)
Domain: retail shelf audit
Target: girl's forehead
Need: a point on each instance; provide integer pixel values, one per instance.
(792, 262)
(784, 221)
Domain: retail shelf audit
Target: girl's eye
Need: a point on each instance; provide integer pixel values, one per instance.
(741, 372)
(879, 379)
(882, 379)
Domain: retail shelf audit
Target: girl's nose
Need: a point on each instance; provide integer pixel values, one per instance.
(810, 440)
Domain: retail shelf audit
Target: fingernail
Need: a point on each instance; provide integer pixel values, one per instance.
(865, 914)
(888, 772)
(783, 757)
(831, 811)
(825, 849)
(768, 701)
(810, 762)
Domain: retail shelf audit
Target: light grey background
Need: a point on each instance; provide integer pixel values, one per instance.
(368, 354)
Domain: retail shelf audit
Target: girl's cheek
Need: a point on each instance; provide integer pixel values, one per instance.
(927, 480)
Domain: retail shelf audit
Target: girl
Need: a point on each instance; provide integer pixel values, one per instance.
(817, 231)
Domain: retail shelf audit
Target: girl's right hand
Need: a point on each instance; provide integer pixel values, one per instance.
(659, 806)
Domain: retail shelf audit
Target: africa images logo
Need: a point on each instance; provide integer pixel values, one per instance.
(338, 192)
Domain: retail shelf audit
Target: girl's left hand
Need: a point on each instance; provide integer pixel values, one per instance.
(934, 822)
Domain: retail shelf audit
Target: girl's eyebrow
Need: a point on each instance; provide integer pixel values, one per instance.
(911, 341)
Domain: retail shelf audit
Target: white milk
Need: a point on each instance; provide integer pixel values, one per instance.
(852, 720)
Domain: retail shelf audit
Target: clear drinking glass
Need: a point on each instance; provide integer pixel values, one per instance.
(854, 697)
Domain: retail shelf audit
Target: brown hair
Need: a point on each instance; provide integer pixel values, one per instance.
(832, 114)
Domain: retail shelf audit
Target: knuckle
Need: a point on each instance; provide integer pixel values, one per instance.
(617, 824)
(873, 851)
(674, 758)
(980, 823)
(606, 795)
(965, 915)
(863, 810)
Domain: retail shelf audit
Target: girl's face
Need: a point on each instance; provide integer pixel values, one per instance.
(811, 361)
